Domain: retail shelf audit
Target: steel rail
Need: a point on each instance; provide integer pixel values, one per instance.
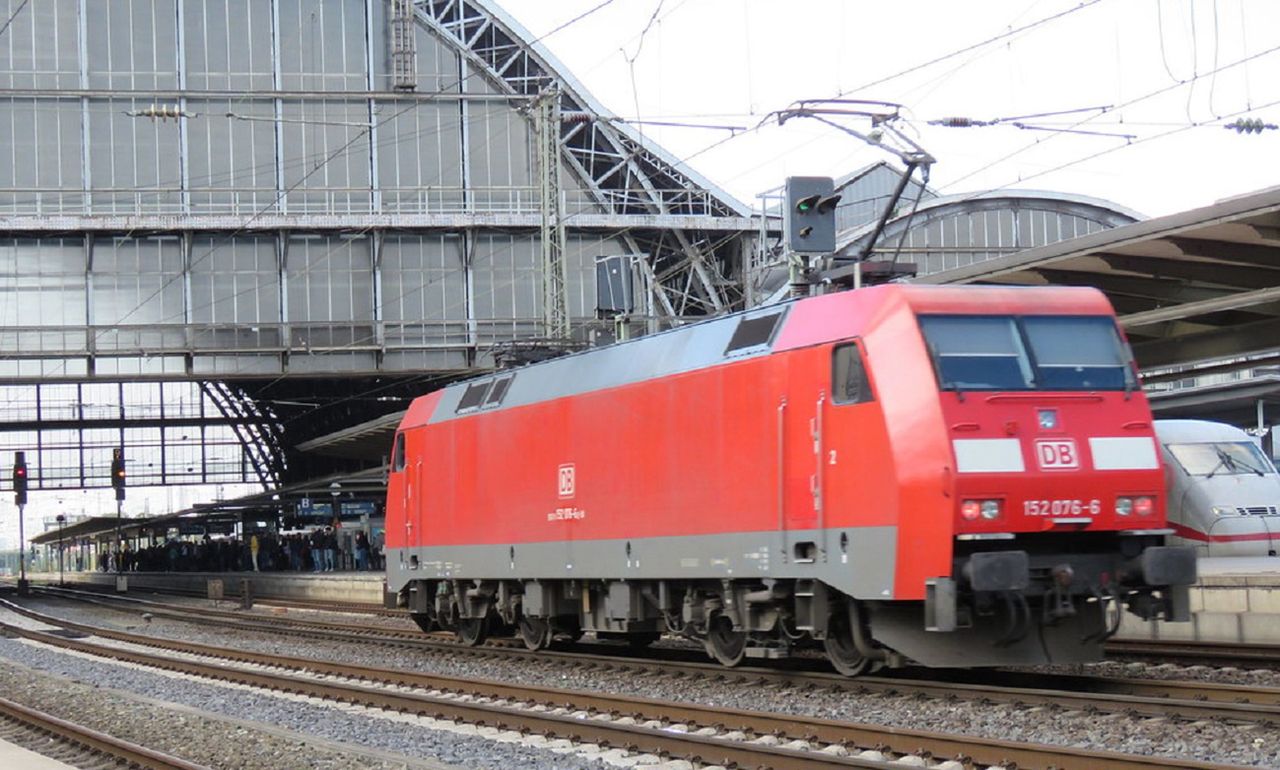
(903, 741)
(131, 754)
(1149, 697)
(1206, 652)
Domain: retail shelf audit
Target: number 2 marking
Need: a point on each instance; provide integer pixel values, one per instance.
(831, 459)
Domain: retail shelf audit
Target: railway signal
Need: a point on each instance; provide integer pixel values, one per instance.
(118, 472)
(117, 481)
(20, 478)
(20, 499)
(809, 219)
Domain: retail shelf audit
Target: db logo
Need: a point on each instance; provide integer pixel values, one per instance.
(1057, 454)
(565, 481)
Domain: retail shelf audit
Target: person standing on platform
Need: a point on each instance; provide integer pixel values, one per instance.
(330, 548)
(362, 551)
(317, 550)
(254, 547)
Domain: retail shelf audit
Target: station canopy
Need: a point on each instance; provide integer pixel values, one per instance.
(1197, 292)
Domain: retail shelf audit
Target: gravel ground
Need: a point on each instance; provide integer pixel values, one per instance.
(212, 725)
(1206, 741)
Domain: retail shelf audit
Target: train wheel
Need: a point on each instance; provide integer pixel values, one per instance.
(473, 631)
(724, 644)
(840, 647)
(535, 632)
(424, 620)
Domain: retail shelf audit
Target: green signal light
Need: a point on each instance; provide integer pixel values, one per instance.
(807, 203)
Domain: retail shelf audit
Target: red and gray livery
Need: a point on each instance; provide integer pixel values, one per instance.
(957, 476)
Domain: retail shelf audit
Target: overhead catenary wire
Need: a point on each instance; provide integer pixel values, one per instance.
(13, 16)
(1129, 103)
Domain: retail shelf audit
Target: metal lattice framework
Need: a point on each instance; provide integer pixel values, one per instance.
(624, 175)
(264, 197)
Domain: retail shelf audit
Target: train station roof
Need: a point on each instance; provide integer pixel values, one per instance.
(1244, 403)
(1196, 288)
(89, 527)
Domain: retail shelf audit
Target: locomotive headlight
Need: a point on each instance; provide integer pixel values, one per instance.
(1144, 506)
(1221, 510)
(1124, 506)
(990, 509)
(970, 510)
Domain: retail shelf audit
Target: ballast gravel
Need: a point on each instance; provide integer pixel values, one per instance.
(1246, 745)
(38, 677)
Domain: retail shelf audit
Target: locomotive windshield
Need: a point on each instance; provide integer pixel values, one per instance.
(1027, 352)
(1221, 458)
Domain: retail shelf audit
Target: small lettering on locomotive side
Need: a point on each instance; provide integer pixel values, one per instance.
(567, 514)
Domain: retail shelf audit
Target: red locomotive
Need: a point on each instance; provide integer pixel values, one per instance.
(955, 476)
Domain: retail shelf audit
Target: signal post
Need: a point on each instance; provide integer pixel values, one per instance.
(117, 483)
(20, 499)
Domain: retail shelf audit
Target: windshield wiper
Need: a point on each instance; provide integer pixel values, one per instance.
(1242, 464)
(1224, 461)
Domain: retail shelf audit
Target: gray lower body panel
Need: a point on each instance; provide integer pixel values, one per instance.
(858, 561)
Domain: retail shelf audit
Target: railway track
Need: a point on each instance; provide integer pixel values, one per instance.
(1148, 697)
(1205, 653)
(698, 733)
(77, 745)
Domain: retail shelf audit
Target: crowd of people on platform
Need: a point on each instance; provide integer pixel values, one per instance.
(320, 550)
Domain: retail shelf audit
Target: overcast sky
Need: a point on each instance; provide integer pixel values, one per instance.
(734, 61)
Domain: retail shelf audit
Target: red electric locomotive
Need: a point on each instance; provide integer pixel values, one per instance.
(955, 476)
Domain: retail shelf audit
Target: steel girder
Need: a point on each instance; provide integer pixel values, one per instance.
(623, 175)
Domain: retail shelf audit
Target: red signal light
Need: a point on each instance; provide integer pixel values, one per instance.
(970, 510)
(1144, 506)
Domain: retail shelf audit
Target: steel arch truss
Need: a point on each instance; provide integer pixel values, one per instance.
(624, 177)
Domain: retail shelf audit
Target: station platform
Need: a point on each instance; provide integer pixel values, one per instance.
(1236, 600)
(352, 587)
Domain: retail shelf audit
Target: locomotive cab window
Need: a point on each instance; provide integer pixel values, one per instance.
(1078, 353)
(849, 384)
(1027, 352)
(397, 454)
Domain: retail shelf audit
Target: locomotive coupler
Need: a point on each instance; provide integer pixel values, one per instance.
(1108, 597)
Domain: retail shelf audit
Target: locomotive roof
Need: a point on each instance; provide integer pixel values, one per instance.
(799, 322)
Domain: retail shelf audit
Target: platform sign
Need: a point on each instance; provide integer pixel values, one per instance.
(319, 513)
(354, 509)
(190, 528)
(304, 506)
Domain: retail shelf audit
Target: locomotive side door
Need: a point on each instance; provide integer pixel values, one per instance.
(801, 413)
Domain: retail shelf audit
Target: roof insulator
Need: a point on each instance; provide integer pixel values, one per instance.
(1250, 126)
(960, 122)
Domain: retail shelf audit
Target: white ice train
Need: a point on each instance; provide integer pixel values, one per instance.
(1224, 492)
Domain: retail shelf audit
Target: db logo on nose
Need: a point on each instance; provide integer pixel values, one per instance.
(1057, 455)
